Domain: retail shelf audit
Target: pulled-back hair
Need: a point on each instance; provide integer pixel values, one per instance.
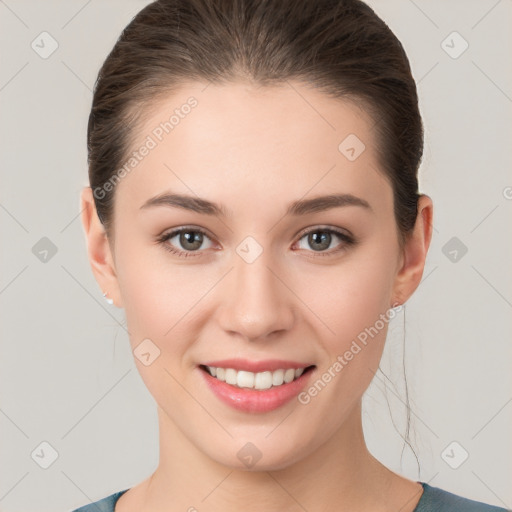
(338, 46)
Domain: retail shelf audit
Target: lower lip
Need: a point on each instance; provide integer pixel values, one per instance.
(254, 400)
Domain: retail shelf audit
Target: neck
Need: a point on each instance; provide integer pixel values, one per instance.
(340, 475)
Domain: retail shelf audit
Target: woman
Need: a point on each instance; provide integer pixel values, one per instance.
(254, 207)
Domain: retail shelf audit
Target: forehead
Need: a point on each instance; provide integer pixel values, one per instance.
(241, 141)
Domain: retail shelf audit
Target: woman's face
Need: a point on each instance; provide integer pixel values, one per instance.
(268, 286)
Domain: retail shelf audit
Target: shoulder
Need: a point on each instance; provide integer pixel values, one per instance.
(435, 499)
(104, 505)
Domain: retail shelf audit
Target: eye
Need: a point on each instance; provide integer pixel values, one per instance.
(320, 239)
(190, 239)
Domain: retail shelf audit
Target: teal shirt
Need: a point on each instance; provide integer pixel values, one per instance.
(433, 499)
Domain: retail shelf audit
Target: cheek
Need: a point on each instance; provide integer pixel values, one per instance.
(354, 306)
(147, 296)
(351, 296)
(161, 299)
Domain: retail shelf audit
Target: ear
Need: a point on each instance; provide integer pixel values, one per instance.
(98, 248)
(412, 261)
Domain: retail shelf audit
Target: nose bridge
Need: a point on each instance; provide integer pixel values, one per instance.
(258, 303)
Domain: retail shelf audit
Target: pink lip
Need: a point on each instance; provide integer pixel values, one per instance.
(254, 400)
(256, 366)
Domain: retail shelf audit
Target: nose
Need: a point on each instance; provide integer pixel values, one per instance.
(256, 301)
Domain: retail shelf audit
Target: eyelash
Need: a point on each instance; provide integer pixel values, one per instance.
(346, 239)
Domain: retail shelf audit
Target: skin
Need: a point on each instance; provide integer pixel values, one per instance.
(254, 150)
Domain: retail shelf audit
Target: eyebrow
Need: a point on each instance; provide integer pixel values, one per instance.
(300, 207)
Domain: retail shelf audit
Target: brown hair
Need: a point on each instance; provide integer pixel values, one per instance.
(339, 46)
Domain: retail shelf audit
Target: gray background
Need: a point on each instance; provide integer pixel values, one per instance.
(67, 373)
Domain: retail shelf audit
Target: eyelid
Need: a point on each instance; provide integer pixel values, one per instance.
(325, 227)
(174, 231)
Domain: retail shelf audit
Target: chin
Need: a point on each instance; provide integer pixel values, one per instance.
(260, 454)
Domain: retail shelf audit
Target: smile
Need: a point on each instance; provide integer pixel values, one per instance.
(255, 387)
(261, 380)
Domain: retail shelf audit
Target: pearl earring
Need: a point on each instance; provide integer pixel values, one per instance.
(110, 301)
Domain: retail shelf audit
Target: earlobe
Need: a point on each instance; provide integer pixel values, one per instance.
(414, 252)
(98, 247)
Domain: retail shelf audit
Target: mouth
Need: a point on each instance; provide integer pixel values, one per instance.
(255, 387)
(256, 380)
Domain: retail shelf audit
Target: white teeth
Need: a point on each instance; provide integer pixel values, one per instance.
(263, 380)
(244, 379)
(277, 377)
(221, 373)
(289, 375)
(260, 380)
(230, 376)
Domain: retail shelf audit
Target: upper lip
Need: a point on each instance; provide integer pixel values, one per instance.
(256, 366)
